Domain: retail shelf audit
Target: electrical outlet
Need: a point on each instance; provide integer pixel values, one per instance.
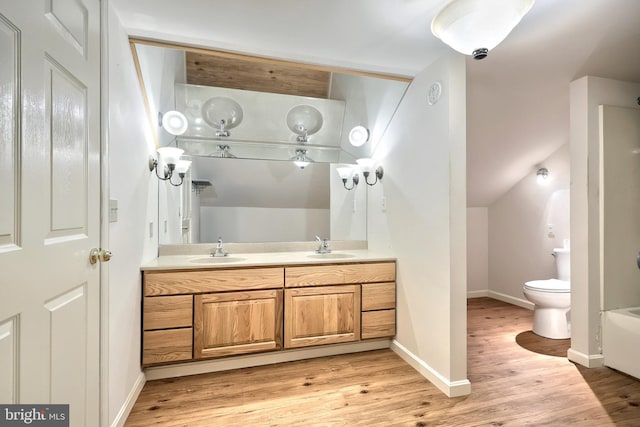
(550, 231)
(151, 230)
(383, 203)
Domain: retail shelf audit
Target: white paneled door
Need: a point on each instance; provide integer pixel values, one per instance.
(50, 204)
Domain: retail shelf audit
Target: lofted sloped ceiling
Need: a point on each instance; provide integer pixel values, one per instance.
(517, 98)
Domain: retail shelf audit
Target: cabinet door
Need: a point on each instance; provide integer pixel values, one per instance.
(321, 315)
(237, 323)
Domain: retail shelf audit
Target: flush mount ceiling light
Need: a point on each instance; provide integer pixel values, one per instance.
(358, 136)
(222, 113)
(474, 27)
(304, 120)
(542, 176)
(173, 122)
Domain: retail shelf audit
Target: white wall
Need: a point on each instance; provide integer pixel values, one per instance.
(586, 94)
(424, 223)
(348, 208)
(130, 143)
(477, 252)
(161, 68)
(250, 224)
(520, 244)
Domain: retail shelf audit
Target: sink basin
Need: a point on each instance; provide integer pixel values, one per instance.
(330, 256)
(216, 260)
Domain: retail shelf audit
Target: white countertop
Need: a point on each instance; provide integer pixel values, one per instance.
(249, 259)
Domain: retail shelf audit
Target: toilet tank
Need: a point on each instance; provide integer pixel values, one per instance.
(563, 263)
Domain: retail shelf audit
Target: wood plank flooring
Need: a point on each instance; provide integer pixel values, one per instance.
(517, 379)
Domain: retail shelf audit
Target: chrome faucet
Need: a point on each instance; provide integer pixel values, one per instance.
(219, 252)
(324, 246)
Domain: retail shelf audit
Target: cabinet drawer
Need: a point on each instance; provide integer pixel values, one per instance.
(337, 274)
(218, 280)
(378, 296)
(169, 345)
(167, 312)
(378, 324)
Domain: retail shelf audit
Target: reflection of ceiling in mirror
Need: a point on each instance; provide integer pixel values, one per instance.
(256, 183)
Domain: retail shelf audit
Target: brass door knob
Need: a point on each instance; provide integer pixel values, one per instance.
(96, 255)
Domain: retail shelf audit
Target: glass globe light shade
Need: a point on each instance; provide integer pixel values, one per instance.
(183, 166)
(170, 155)
(474, 27)
(366, 164)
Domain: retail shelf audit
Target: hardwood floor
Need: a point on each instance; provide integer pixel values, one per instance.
(517, 379)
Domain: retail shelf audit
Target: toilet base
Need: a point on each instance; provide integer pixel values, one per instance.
(554, 323)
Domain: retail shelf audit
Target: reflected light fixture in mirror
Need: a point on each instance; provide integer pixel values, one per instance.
(367, 166)
(358, 136)
(304, 120)
(173, 122)
(301, 159)
(223, 114)
(170, 158)
(474, 27)
(542, 176)
(347, 172)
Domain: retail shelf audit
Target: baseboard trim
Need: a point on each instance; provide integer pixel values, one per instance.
(478, 294)
(125, 410)
(587, 360)
(450, 388)
(193, 368)
(520, 302)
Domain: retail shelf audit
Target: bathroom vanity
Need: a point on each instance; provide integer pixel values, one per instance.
(199, 308)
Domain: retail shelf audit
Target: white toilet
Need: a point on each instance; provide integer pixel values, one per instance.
(552, 299)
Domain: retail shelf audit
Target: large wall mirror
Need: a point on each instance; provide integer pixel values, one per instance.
(250, 120)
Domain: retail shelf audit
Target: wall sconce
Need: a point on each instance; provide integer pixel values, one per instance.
(542, 176)
(347, 172)
(170, 156)
(474, 27)
(367, 165)
(358, 136)
(173, 122)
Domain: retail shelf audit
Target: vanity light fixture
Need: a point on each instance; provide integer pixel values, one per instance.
(347, 172)
(474, 27)
(173, 122)
(170, 157)
(358, 136)
(367, 166)
(542, 176)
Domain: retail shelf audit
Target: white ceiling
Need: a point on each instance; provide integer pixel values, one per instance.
(517, 99)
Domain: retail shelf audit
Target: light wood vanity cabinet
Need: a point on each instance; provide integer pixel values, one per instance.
(193, 315)
(198, 314)
(321, 315)
(360, 304)
(237, 323)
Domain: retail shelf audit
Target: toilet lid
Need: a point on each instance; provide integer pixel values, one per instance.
(550, 285)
